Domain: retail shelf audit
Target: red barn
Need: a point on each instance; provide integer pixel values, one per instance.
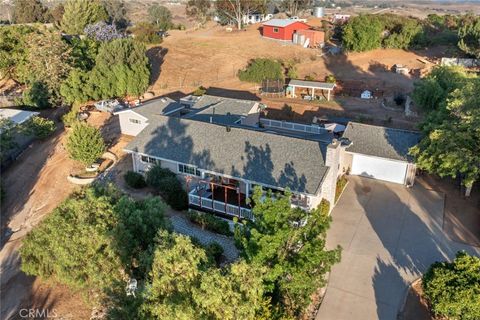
(282, 29)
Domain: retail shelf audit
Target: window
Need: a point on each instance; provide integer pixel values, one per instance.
(136, 121)
(275, 30)
(150, 160)
(183, 168)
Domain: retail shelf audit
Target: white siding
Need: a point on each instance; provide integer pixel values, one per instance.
(128, 123)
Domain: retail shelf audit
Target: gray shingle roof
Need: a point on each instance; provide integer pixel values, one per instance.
(381, 142)
(223, 110)
(261, 157)
(157, 106)
(312, 84)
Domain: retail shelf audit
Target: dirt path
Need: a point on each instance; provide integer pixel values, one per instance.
(35, 185)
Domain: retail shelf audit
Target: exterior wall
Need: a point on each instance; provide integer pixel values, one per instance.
(127, 126)
(333, 162)
(346, 159)
(285, 33)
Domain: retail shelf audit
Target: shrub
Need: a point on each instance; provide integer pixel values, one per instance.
(169, 187)
(330, 78)
(37, 95)
(85, 143)
(210, 222)
(147, 33)
(452, 288)
(341, 183)
(261, 69)
(324, 207)
(70, 118)
(40, 127)
(399, 99)
(200, 91)
(214, 252)
(134, 180)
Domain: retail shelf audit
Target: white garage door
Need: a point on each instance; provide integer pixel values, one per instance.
(377, 168)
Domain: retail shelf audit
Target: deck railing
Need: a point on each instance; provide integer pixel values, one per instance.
(219, 206)
(292, 126)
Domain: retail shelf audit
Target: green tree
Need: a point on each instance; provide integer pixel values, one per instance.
(362, 33)
(84, 52)
(40, 127)
(176, 269)
(198, 9)
(85, 143)
(160, 16)
(450, 146)
(261, 69)
(453, 288)
(80, 13)
(146, 32)
(7, 132)
(143, 218)
(36, 95)
(75, 88)
(291, 243)
(469, 35)
(47, 61)
(232, 11)
(121, 68)
(13, 53)
(117, 13)
(73, 244)
(28, 11)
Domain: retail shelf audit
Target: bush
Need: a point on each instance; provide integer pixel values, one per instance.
(147, 33)
(169, 187)
(341, 183)
(210, 222)
(452, 288)
(40, 127)
(85, 143)
(156, 174)
(200, 91)
(214, 252)
(134, 180)
(37, 95)
(261, 69)
(70, 118)
(324, 207)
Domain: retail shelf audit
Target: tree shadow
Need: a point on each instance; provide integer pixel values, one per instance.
(156, 57)
(409, 237)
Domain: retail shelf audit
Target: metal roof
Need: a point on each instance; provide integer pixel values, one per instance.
(15, 115)
(156, 106)
(312, 84)
(265, 158)
(280, 22)
(381, 142)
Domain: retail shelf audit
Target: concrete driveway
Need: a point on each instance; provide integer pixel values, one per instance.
(390, 235)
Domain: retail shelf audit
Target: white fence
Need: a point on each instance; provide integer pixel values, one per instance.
(292, 126)
(220, 206)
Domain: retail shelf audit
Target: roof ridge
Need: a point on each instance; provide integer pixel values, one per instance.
(376, 126)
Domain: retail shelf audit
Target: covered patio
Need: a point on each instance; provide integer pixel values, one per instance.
(294, 87)
(218, 197)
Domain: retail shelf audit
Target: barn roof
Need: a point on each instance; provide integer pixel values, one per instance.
(281, 23)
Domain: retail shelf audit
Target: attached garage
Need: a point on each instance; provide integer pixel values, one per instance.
(379, 168)
(380, 153)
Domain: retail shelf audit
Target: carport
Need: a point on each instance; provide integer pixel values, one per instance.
(310, 85)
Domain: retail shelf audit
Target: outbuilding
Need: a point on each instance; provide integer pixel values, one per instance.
(282, 29)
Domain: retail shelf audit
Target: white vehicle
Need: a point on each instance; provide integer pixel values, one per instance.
(111, 105)
(296, 18)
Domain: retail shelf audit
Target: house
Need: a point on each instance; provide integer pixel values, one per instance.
(282, 29)
(222, 149)
(366, 94)
(256, 17)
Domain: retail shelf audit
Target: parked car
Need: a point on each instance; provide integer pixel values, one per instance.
(111, 105)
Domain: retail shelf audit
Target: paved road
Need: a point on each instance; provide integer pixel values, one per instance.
(390, 235)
